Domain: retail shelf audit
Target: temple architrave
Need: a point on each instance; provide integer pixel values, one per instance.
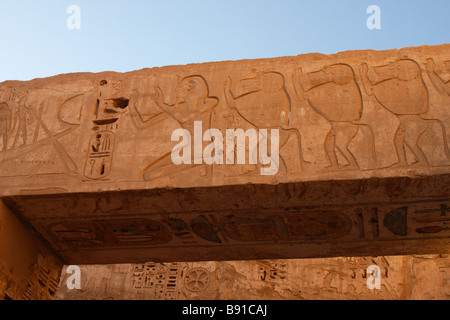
(281, 178)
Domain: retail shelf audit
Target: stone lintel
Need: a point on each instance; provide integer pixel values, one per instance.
(358, 160)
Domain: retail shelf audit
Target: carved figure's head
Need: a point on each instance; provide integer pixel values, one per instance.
(191, 87)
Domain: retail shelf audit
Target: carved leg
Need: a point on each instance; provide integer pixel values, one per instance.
(297, 135)
(165, 167)
(399, 142)
(345, 132)
(414, 127)
(330, 145)
(444, 134)
(412, 137)
(5, 141)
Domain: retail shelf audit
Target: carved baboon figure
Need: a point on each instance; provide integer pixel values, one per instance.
(266, 105)
(400, 89)
(334, 94)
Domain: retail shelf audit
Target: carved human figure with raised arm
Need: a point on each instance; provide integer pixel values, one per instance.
(193, 103)
(442, 85)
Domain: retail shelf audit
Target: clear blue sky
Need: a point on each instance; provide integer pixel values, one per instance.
(126, 35)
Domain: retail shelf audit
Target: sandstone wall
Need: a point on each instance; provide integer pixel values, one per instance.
(28, 269)
(402, 277)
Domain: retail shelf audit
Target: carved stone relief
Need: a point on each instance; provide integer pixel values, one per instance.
(133, 112)
(402, 277)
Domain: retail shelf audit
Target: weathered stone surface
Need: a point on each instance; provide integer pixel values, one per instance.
(402, 277)
(28, 269)
(363, 164)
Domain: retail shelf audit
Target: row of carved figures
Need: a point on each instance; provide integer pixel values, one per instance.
(336, 92)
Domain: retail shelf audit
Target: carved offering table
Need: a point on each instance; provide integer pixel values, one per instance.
(341, 155)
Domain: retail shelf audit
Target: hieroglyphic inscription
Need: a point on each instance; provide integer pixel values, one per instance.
(402, 277)
(354, 223)
(161, 281)
(45, 284)
(99, 159)
(110, 233)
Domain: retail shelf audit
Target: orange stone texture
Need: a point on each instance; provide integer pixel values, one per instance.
(86, 165)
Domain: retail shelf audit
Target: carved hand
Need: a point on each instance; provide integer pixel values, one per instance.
(227, 84)
(158, 95)
(298, 73)
(296, 78)
(367, 85)
(431, 67)
(133, 97)
(364, 69)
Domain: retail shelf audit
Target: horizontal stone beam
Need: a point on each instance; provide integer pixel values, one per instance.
(307, 156)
